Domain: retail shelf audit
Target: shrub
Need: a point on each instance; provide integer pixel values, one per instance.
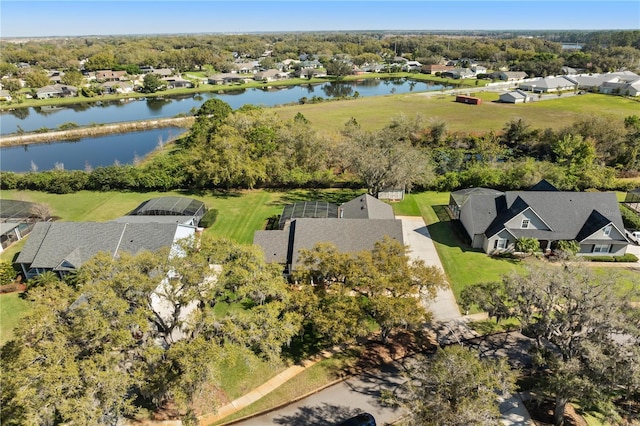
(7, 273)
(209, 218)
(630, 218)
(629, 257)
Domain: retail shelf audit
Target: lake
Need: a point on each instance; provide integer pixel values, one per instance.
(35, 118)
(125, 148)
(128, 147)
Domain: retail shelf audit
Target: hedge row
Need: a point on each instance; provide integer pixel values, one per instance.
(629, 257)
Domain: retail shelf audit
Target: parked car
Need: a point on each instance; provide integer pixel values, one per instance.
(362, 419)
(634, 236)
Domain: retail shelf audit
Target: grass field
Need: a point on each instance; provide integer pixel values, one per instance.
(12, 308)
(375, 112)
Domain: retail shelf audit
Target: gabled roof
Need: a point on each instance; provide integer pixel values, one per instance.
(594, 222)
(56, 244)
(483, 209)
(543, 185)
(366, 207)
(566, 213)
(498, 224)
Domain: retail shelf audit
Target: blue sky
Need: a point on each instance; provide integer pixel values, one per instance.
(23, 18)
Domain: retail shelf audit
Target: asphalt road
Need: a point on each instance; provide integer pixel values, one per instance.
(339, 402)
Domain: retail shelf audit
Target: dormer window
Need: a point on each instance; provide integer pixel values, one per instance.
(606, 230)
(525, 223)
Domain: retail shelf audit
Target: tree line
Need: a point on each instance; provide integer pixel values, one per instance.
(539, 55)
(254, 148)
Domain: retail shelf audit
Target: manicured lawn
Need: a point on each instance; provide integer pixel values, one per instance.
(12, 308)
(462, 264)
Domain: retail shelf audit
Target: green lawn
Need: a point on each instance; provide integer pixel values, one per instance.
(12, 308)
(462, 264)
(374, 112)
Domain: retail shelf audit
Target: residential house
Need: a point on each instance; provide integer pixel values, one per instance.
(56, 91)
(515, 97)
(163, 72)
(458, 73)
(479, 69)
(177, 82)
(227, 78)
(62, 247)
(109, 87)
(411, 66)
(109, 75)
(5, 95)
(352, 227)
(270, 75)
(247, 67)
(436, 68)
(495, 220)
(549, 84)
(509, 75)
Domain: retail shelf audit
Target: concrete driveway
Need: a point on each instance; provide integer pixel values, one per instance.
(417, 237)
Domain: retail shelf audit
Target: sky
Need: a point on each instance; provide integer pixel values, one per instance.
(24, 18)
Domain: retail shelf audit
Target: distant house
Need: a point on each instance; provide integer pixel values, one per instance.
(162, 72)
(5, 95)
(435, 68)
(117, 87)
(458, 73)
(411, 66)
(227, 78)
(509, 75)
(515, 97)
(177, 83)
(247, 67)
(108, 75)
(270, 75)
(352, 227)
(494, 220)
(56, 91)
(549, 84)
(62, 247)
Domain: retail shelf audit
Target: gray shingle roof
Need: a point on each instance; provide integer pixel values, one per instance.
(347, 235)
(366, 207)
(275, 244)
(570, 215)
(462, 195)
(52, 244)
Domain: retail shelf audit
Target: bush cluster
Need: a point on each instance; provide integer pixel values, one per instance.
(629, 257)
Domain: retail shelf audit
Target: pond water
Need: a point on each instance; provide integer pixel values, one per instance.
(34, 118)
(125, 148)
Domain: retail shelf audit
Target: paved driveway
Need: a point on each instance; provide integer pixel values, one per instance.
(416, 236)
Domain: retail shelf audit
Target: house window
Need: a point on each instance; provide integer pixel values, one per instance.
(601, 248)
(525, 223)
(607, 230)
(501, 243)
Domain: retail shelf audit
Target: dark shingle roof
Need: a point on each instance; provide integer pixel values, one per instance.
(543, 185)
(570, 215)
(52, 244)
(275, 244)
(366, 207)
(347, 235)
(483, 208)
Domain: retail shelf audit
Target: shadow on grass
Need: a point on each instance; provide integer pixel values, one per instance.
(217, 193)
(300, 195)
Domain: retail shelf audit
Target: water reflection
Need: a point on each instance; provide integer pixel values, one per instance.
(337, 90)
